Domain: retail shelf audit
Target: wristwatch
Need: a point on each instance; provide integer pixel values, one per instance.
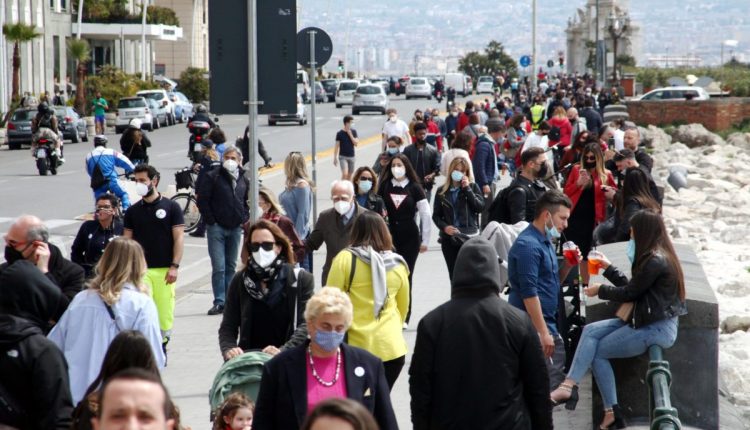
(175, 265)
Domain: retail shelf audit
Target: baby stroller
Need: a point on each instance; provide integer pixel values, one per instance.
(242, 373)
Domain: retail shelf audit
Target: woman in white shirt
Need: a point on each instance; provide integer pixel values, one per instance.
(115, 300)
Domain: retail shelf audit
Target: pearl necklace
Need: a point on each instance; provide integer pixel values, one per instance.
(315, 373)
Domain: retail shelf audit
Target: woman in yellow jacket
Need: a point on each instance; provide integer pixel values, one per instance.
(377, 281)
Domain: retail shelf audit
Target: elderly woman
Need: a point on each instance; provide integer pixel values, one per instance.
(266, 299)
(296, 380)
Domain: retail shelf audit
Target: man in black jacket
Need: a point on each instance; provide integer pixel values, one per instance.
(593, 119)
(527, 187)
(505, 386)
(424, 158)
(222, 200)
(34, 386)
(28, 239)
(632, 141)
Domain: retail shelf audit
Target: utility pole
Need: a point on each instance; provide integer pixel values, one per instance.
(252, 106)
(143, 40)
(533, 46)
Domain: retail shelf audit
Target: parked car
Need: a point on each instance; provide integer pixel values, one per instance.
(369, 97)
(19, 128)
(330, 86)
(345, 92)
(129, 108)
(182, 106)
(418, 87)
(299, 117)
(485, 85)
(159, 113)
(320, 93)
(71, 125)
(676, 93)
(162, 97)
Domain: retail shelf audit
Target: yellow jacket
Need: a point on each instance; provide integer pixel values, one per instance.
(382, 337)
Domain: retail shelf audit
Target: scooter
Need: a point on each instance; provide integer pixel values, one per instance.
(46, 159)
(439, 96)
(198, 133)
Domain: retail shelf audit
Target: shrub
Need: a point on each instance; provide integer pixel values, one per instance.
(115, 84)
(194, 84)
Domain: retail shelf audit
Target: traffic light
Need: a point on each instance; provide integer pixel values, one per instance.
(341, 65)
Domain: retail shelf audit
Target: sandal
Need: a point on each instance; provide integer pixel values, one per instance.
(571, 401)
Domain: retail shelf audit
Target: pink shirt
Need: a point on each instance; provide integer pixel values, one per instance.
(326, 369)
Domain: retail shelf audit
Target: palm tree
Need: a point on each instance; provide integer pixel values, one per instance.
(18, 33)
(79, 50)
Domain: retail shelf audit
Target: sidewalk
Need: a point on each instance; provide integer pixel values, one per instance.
(194, 356)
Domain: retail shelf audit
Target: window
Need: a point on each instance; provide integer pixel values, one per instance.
(23, 115)
(369, 90)
(417, 81)
(348, 86)
(131, 103)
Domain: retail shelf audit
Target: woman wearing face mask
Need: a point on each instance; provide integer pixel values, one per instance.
(459, 148)
(365, 183)
(404, 199)
(587, 186)
(456, 213)
(271, 210)
(95, 235)
(392, 147)
(324, 367)
(657, 292)
(266, 299)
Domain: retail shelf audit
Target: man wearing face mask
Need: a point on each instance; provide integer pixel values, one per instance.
(394, 127)
(101, 164)
(534, 276)
(222, 200)
(424, 158)
(157, 224)
(527, 188)
(334, 225)
(28, 239)
(484, 163)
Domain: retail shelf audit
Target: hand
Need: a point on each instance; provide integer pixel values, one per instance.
(230, 354)
(604, 261)
(608, 154)
(335, 161)
(450, 230)
(270, 349)
(422, 249)
(584, 179)
(592, 290)
(486, 190)
(171, 277)
(579, 258)
(41, 256)
(548, 344)
(609, 193)
(465, 182)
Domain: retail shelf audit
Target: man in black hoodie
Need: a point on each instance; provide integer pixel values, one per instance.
(28, 239)
(34, 386)
(478, 363)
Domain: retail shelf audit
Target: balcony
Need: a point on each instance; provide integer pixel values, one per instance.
(110, 31)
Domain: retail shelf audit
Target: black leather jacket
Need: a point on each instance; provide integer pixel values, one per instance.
(470, 204)
(653, 289)
(522, 199)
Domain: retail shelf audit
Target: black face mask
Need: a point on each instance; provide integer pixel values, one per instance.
(589, 164)
(12, 255)
(542, 173)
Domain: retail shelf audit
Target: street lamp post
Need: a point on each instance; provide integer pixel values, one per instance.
(617, 25)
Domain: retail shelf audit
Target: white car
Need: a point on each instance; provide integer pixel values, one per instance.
(300, 116)
(129, 108)
(161, 96)
(485, 84)
(183, 107)
(418, 87)
(676, 93)
(345, 92)
(369, 97)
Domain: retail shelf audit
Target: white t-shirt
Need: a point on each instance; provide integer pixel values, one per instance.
(535, 141)
(619, 136)
(398, 128)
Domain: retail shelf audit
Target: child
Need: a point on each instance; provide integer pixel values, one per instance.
(236, 413)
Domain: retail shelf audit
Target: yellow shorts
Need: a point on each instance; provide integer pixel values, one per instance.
(164, 298)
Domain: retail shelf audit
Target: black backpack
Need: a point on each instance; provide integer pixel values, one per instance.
(97, 177)
(500, 208)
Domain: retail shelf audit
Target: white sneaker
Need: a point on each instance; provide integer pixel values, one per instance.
(406, 325)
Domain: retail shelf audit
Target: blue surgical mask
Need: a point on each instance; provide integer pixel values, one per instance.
(630, 251)
(457, 175)
(329, 340)
(365, 186)
(392, 151)
(552, 232)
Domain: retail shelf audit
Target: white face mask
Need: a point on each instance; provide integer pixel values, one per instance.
(231, 165)
(398, 172)
(342, 207)
(393, 118)
(141, 189)
(264, 258)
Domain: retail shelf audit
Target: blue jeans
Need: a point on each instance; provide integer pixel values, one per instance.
(114, 187)
(613, 338)
(223, 248)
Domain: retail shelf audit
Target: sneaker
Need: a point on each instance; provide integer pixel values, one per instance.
(405, 326)
(197, 234)
(216, 310)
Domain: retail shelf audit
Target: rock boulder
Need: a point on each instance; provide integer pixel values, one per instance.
(654, 137)
(695, 135)
(740, 140)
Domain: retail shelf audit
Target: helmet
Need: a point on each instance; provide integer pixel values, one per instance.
(42, 108)
(100, 140)
(135, 123)
(201, 109)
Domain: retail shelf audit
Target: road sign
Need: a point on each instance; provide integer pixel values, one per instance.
(550, 64)
(323, 47)
(525, 61)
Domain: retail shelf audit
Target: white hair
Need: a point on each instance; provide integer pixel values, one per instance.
(343, 183)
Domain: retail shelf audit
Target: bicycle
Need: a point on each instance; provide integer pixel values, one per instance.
(185, 180)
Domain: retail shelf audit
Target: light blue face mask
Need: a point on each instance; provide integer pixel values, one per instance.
(365, 186)
(392, 151)
(552, 232)
(631, 251)
(329, 340)
(457, 175)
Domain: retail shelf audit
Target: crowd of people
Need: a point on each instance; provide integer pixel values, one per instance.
(92, 333)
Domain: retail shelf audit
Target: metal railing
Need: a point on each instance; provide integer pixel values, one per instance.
(662, 415)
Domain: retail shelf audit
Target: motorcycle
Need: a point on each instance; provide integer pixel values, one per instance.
(198, 133)
(46, 159)
(439, 96)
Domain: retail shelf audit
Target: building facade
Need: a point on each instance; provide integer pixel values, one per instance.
(171, 58)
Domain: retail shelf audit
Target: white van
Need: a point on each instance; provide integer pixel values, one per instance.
(303, 85)
(459, 83)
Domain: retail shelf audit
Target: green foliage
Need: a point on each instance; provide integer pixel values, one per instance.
(115, 84)
(741, 127)
(116, 12)
(491, 62)
(19, 32)
(194, 84)
(79, 50)
(733, 78)
(161, 15)
(624, 60)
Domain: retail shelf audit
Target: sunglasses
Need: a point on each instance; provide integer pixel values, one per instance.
(590, 158)
(256, 246)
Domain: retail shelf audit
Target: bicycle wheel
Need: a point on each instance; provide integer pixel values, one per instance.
(190, 211)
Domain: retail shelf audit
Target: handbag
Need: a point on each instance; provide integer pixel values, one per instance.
(625, 311)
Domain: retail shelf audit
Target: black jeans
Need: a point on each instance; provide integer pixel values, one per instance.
(393, 369)
(450, 252)
(407, 240)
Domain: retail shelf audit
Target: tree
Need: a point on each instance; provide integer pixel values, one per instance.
(79, 50)
(18, 33)
(624, 60)
(194, 84)
(491, 62)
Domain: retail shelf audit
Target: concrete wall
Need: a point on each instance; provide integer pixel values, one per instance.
(715, 114)
(192, 49)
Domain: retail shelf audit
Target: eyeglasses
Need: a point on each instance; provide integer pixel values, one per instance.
(256, 246)
(365, 178)
(592, 158)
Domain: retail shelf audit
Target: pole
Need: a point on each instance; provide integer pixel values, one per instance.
(596, 45)
(614, 58)
(252, 107)
(313, 101)
(533, 46)
(122, 48)
(143, 40)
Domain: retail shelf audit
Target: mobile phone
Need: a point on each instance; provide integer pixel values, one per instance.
(611, 142)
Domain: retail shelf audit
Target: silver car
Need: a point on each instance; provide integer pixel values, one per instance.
(345, 92)
(418, 87)
(369, 97)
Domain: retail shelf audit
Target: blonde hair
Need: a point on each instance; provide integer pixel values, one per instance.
(270, 197)
(451, 167)
(295, 168)
(560, 112)
(212, 153)
(329, 300)
(122, 262)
